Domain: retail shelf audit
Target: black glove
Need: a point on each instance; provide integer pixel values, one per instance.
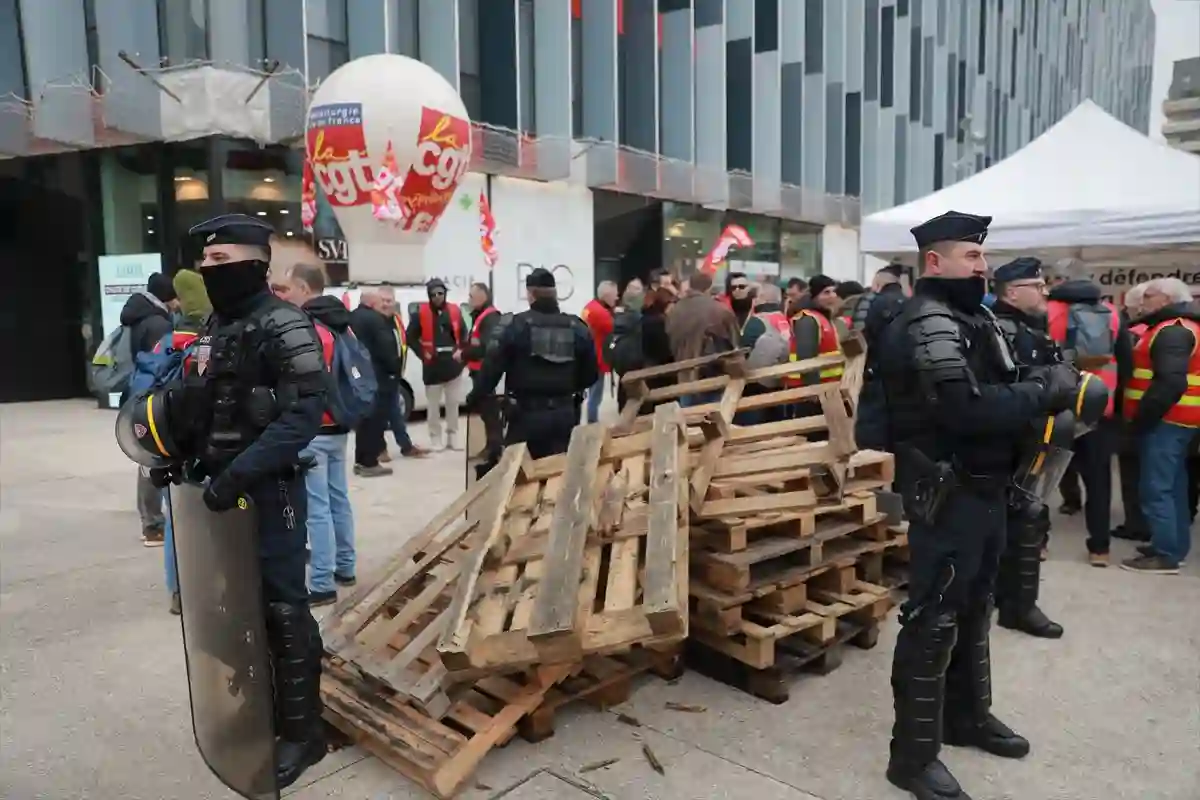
(161, 477)
(222, 493)
(1060, 385)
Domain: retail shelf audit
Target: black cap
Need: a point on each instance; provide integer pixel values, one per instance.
(234, 229)
(435, 283)
(1025, 268)
(161, 287)
(819, 283)
(540, 278)
(953, 226)
(850, 289)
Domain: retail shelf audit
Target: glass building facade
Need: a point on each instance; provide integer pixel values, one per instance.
(144, 116)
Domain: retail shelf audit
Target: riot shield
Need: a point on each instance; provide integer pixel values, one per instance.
(224, 636)
(1046, 456)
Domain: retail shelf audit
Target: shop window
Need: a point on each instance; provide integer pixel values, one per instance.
(129, 200)
(183, 30)
(689, 232)
(799, 250)
(191, 189)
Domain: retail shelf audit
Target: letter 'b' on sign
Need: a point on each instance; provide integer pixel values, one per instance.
(357, 113)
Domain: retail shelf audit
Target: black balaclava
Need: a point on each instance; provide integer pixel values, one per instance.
(232, 285)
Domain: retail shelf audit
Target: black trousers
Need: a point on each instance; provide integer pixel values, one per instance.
(941, 671)
(1093, 460)
(1193, 468)
(1129, 471)
(546, 431)
(283, 537)
(369, 441)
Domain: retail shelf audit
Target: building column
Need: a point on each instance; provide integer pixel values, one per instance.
(767, 151)
(552, 68)
(676, 107)
(712, 183)
(438, 37)
(599, 87)
(56, 53)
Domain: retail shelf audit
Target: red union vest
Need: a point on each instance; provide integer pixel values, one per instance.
(1186, 410)
(475, 366)
(427, 328)
(1137, 331)
(1058, 311)
(326, 338)
(827, 346)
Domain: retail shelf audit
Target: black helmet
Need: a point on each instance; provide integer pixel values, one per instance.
(1091, 402)
(144, 430)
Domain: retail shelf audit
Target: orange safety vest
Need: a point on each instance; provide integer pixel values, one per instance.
(829, 345)
(1057, 311)
(1137, 331)
(427, 328)
(1186, 410)
(477, 365)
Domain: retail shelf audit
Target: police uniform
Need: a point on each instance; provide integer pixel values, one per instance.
(954, 408)
(549, 360)
(1019, 578)
(250, 399)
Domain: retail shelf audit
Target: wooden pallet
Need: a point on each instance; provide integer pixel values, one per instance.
(602, 682)
(732, 535)
(799, 468)
(590, 561)
(442, 754)
(385, 631)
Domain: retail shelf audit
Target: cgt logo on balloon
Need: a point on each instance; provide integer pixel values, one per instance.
(338, 152)
(443, 157)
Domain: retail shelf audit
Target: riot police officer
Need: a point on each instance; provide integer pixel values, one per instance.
(250, 399)
(1020, 308)
(549, 360)
(954, 408)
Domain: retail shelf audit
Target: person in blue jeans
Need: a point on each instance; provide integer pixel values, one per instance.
(330, 519)
(1161, 401)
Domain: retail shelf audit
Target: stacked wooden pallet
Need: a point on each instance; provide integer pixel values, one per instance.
(735, 523)
(548, 581)
(787, 543)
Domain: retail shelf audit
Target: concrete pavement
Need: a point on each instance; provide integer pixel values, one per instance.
(94, 703)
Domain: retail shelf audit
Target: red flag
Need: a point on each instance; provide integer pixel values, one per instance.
(732, 236)
(487, 231)
(308, 197)
(386, 203)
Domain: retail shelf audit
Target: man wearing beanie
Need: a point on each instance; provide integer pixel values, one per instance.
(147, 315)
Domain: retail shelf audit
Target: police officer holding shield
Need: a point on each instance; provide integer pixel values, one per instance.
(955, 406)
(549, 360)
(228, 434)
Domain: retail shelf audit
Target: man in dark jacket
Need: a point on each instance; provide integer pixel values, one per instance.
(438, 334)
(874, 313)
(1162, 406)
(484, 319)
(374, 329)
(1094, 451)
(147, 314)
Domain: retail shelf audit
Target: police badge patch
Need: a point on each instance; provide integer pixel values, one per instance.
(139, 430)
(203, 353)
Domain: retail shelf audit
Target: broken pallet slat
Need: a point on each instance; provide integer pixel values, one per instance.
(661, 600)
(554, 611)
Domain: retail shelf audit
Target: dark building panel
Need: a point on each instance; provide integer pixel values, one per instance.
(814, 36)
(939, 159)
(739, 104)
(871, 52)
(835, 107)
(497, 42)
(887, 57)
(914, 73)
(791, 81)
(766, 25)
(853, 152)
(708, 12)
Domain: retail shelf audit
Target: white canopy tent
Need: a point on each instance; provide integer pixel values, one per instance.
(1089, 187)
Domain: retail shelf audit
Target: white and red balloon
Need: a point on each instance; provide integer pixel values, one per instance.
(399, 111)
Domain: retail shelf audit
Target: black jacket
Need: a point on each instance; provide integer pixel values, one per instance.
(487, 328)
(442, 368)
(148, 321)
(1085, 291)
(884, 307)
(1170, 356)
(330, 312)
(1031, 342)
(375, 331)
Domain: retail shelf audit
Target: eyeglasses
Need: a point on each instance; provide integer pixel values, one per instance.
(739, 287)
(1039, 285)
(437, 294)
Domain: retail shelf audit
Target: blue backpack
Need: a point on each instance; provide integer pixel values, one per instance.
(352, 384)
(156, 368)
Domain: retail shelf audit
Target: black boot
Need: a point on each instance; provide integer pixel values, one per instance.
(918, 686)
(296, 655)
(1019, 578)
(968, 718)
(1033, 622)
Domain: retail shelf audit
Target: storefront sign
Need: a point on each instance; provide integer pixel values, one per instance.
(546, 225)
(121, 277)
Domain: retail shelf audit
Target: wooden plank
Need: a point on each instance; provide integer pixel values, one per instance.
(810, 455)
(677, 366)
(378, 634)
(556, 606)
(691, 387)
(660, 596)
(453, 643)
(841, 429)
(769, 430)
(737, 506)
(617, 448)
(395, 673)
(722, 421)
(349, 615)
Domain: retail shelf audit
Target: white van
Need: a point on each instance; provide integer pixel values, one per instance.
(408, 300)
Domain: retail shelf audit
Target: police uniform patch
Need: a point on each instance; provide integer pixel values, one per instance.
(211, 236)
(139, 430)
(203, 354)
